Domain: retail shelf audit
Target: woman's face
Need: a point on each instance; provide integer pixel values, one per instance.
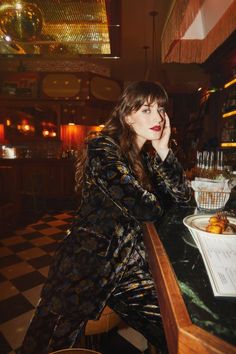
(148, 122)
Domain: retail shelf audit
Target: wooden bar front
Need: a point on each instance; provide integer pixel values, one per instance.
(182, 335)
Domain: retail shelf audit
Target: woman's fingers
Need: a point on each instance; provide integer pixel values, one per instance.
(167, 121)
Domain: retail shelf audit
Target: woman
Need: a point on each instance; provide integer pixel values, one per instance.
(103, 259)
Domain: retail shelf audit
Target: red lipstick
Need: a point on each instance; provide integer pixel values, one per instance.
(156, 128)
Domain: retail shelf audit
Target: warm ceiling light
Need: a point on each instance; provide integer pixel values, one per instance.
(45, 133)
(228, 144)
(8, 38)
(110, 57)
(18, 6)
(229, 114)
(230, 83)
(211, 90)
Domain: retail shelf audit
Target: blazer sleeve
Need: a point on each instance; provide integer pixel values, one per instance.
(109, 170)
(169, 176)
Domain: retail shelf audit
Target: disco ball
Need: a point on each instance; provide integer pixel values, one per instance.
(21, 22)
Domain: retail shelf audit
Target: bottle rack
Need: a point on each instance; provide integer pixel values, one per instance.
(228, 132)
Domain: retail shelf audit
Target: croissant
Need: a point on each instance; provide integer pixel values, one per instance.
(213, 220)
(217, 224)
(215, 229)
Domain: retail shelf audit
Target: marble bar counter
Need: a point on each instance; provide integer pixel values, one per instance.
(195, 321)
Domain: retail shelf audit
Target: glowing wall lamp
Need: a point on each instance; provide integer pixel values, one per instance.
(2, 138)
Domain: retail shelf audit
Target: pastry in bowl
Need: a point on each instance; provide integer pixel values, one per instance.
(217, 224)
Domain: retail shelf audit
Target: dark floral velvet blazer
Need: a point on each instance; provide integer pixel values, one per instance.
(107, 230)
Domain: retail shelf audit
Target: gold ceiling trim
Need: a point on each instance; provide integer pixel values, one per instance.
(55, 27)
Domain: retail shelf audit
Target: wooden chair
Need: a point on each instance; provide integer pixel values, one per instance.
(9, 198)
(32, 194)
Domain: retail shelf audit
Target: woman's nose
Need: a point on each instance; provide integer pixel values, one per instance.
(158, 118)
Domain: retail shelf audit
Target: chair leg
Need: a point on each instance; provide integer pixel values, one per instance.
(152, 349)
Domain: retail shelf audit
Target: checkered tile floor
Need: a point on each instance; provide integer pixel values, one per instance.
(25, 256)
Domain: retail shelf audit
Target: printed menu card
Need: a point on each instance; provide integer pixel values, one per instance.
(218, 252)
(219, 256)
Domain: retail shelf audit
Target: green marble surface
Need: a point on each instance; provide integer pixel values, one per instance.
(214, 314)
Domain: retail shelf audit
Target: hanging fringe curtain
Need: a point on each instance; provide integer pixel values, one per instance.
(175, 49)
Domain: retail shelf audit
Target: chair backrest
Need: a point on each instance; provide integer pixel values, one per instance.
(75, 351)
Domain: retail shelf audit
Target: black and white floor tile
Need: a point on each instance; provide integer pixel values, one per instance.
(25, 256)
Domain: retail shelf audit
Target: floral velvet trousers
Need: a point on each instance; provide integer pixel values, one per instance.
(134, 299)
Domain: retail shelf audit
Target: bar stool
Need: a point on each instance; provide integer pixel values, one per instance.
(96, 328)
(108, 320)
(75, 351)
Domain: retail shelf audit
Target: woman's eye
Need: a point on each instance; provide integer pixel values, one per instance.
(161, 112)
(146, 110)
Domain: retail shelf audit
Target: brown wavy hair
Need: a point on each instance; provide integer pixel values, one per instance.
(133, 97)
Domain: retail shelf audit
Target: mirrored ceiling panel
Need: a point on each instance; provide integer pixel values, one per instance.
(57, 27)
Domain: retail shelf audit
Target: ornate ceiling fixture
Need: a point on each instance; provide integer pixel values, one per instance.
(21, 21)
(84, 27)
